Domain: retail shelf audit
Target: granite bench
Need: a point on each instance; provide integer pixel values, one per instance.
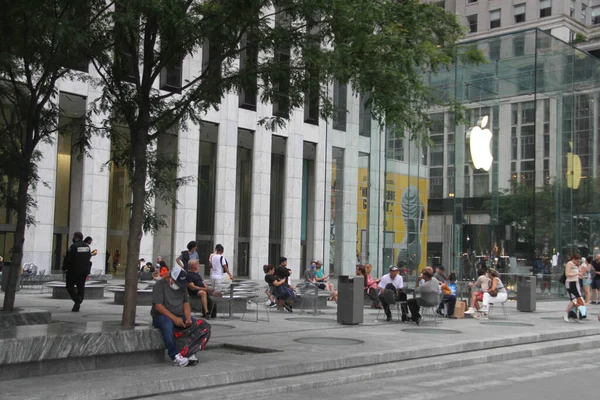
(144, 294)
(24, 317)
(93, 290)
(238, 304)
(309, 302)
(58, 348)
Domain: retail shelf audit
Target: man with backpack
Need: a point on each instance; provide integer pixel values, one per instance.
(187, 255)
(219, 266)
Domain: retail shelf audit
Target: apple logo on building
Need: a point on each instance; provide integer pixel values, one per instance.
(480, 144)
(573, 174)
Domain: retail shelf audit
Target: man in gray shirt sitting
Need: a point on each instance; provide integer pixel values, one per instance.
(171, 308)
(429, 288)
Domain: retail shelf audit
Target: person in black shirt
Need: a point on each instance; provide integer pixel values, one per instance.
(595, 286)
(197, 287)
(77, 266)
(278, 287)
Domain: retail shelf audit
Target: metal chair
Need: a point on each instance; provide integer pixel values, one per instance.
(429, 304)
(259, 298)
(501, 304)
(308, 291)
(390, 299)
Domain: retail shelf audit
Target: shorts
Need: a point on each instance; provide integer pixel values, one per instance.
(587, 282)
(573, 289)
(595, 284)
(321, 286)
(479, 296)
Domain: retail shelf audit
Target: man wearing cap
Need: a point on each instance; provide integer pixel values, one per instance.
(439, 275)
(392, 285)
(171, 308)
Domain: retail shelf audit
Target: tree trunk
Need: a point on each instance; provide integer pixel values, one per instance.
(138, 189)
(17, 251)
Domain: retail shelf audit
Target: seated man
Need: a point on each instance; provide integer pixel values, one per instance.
(197, 287)
(170, 309)
(392, 284)
(449, 299)
(426, 285)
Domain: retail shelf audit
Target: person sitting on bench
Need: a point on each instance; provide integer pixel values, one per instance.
(170, 309)
(197, 287)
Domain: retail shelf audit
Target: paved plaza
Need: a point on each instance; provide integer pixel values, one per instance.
(241, 355)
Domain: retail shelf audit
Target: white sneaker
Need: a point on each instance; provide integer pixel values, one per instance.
(566, 318)
(180, 361)
(192, 358)
(470, 311)
(483, 309)
(480, 315)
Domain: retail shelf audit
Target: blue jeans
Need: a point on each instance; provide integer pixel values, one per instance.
(166, 327)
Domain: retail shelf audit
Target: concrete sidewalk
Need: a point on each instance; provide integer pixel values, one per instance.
(291, 345)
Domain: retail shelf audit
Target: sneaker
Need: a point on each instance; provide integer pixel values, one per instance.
(470, 311)
(484, 309)
(388, 317)
(482, 316)
(180, 361)
(439, 312)
(418, 320)
(192, 361)
(566, 318)
(288, 308)
(76, 307)
(272, 305)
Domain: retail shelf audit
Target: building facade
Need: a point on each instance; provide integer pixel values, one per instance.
(344, 190)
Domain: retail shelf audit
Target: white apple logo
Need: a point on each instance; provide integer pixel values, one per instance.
(480, 144)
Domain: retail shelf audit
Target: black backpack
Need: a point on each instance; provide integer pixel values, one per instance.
(185, 257)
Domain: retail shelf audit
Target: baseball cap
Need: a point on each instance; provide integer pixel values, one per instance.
(179, 276)
(394, 268)
(441, 267)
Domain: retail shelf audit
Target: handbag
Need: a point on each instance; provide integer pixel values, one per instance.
(563, 278)
(493, 293)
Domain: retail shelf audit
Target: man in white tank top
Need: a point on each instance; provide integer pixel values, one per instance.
(219, 266)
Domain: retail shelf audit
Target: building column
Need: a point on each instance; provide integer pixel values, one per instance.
(321, 204)
(260, 207)
(292, 204)
(226, 177)
(93, 214)
(38, 238)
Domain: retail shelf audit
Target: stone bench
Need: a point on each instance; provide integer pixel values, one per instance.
(59, 348)
(238, 304)
(144, 294)
(93, 290)
(22, 317)
(309, 302)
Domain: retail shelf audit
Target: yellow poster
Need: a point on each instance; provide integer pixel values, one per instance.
(405, 219)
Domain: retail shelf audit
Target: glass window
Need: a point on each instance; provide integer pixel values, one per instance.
(519, 13)
(545, 8)
(583, 13)
(572, 10)
(441, 4)
(495, 49)
(596, 15)
(340, 94)
(436, 182)
(519, 45)
(481, 183)
(495, 19)
(472, 23)
(528, 112)
(364, 117)
(546, 145)
(471, 1)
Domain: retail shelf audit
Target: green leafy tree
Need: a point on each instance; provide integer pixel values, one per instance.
(289, 52)
(40, 41)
